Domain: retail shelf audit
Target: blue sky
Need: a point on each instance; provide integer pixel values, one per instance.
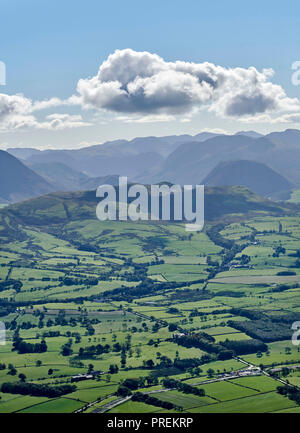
(48, 46)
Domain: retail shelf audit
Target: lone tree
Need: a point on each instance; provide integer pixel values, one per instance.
(22, 377)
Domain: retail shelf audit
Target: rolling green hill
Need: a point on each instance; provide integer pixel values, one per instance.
(55, 208)
(77, 293)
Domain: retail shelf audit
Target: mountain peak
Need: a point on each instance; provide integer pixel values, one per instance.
(18, 182)
(254, 175)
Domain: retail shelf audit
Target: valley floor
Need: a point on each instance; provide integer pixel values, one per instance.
(131, 304)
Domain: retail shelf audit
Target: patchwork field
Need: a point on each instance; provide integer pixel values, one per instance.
(129, 305)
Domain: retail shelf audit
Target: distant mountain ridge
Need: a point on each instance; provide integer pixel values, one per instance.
(252, 134)
(191, 162)
(64, 178)
(182, 159)
(162, 145)
(18, 182)
(256, 176)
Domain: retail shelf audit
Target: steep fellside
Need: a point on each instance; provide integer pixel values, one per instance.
(254, 175)
(18, 182)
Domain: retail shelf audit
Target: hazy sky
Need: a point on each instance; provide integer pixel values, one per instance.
(180, 67)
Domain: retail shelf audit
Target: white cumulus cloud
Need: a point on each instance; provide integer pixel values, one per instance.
(17, 112)
(141, 82)
(143, 87)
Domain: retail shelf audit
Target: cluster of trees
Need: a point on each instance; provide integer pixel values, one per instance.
(291, 392)
(223, 350)
(164, 362)
(22, 346)
(286, 273)
(195, 294)
(99, 349)
(282, 288)
(204, 342)
(249, 314)
(113, 369)
(86, 247)
(231, 293)
(66, 349)
(244, 347)
(230, 249)
(145, 287)
(132, 383)
(179, 364)
(91, 351)
(188, 363)
(36, 389)
(139, 272)
(148, 399)
(50, 334)
(215, 236)
(11, 284)
(12, 371)
(264, 328)
(279, 250)
(67, 281)
(152, 243)
(173, 310)
(123, 391)
(297, 262)
(211, 262)
(5, 310)
(244, 259)
(183, 387)
(194, 313)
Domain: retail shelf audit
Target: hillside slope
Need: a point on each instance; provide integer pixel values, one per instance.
(59, 208)
(18, 182)
(191, 162)
(254, 175)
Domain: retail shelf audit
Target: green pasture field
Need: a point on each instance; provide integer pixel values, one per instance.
(254, 280)
(41, 260)
(59, 405)
(19, 403)
(278, 354)
(258, 383)
(257, 403)
(226, 390)
(186, 401)
(135, 407)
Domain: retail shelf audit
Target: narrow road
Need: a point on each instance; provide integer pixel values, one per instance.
(111, 405)
(265, 372)
(119, 401)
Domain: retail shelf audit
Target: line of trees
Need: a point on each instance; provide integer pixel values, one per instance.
(22, 346)
(183, 387)
(37, 390)
(291, 392)
(154, 401)
(204, 342)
